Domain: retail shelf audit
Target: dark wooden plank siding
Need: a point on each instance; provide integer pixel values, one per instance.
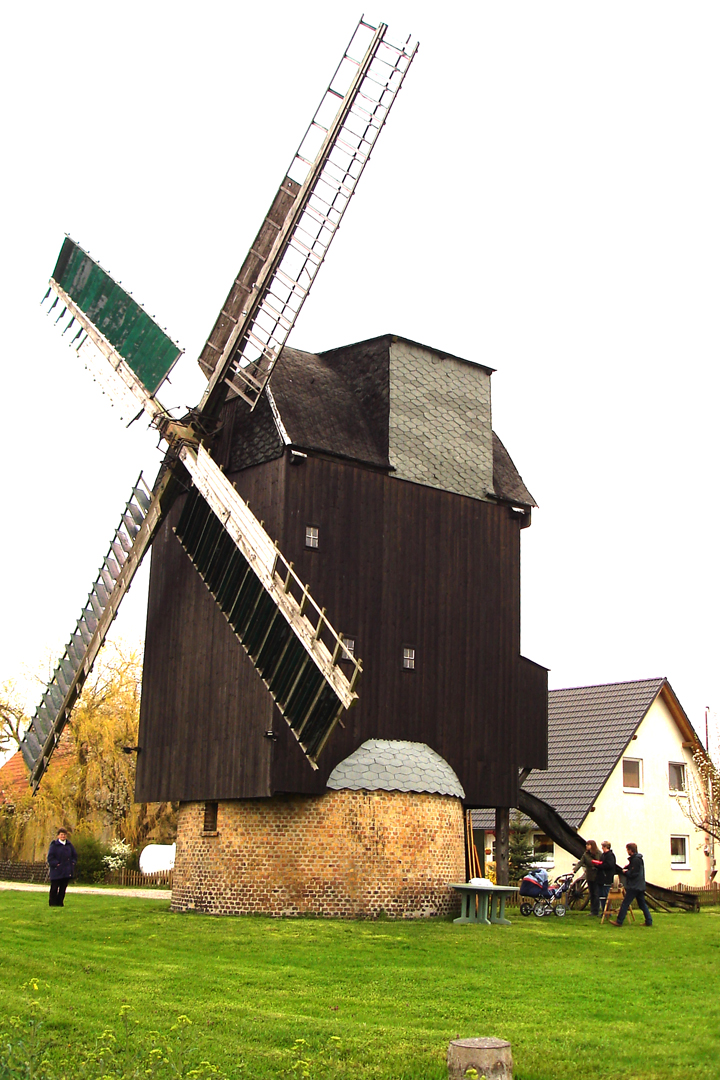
(204, 708)
(397, 564)
(401, 564)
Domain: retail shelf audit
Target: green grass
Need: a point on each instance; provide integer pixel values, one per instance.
(374, 1001)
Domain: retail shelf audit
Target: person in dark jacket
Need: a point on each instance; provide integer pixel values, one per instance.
(634, 886)
(591, 862)
(61, 858)
(606, 873)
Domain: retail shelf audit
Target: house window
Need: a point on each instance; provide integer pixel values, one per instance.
(408, 658)
(632, 774)
(348, 648)
(679, 853)
(676, 776)
(210, 817)
(543, 847)
(312, 536)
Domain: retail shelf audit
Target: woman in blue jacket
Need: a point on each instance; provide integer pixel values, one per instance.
(61, 858)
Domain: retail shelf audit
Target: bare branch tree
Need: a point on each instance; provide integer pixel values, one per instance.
(702, 806)
(13, 720)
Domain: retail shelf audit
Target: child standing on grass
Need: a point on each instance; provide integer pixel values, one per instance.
(61, 858)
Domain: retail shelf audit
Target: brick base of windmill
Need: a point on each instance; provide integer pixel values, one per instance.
(354, 852)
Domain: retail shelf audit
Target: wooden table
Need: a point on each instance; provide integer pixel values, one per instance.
(490, 906)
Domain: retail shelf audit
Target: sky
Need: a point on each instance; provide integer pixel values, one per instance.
(543, 200)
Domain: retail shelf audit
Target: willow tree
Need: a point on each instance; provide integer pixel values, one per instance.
(91, 779)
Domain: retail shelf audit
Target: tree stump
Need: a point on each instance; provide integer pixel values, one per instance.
(491, 1058)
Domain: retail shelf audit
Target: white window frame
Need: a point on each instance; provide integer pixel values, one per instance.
(683, 789)
(634, 790)
(409, 658)
(312, 537)
(676, 865)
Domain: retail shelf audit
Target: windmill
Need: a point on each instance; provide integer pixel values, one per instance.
(288, 637)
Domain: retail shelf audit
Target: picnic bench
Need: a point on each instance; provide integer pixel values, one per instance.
(483, 903)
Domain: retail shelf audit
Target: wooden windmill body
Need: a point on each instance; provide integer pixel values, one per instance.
(417, 524)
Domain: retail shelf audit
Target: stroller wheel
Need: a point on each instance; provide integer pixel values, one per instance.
(526, 909)
(539, 908)
(560, 910)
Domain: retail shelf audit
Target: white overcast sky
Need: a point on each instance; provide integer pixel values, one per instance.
(544, 200)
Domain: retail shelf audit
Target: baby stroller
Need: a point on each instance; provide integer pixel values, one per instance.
(541, 897)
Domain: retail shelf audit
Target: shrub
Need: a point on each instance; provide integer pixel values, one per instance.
(118, 856)
(91, 855)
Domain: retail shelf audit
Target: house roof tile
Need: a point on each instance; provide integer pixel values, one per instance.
(589, 727)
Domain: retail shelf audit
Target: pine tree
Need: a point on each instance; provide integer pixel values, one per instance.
(522, 857)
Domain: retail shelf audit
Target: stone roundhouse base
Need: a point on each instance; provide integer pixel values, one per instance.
(345, 854)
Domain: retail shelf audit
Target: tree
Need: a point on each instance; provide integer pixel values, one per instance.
(521, 855)
(91, 779)
(702, 806)
(13, 720)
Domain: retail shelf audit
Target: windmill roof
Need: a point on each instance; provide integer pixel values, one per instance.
(321, 411)
(507, 481)
(395, 765)
(589, 728)
(337, 403)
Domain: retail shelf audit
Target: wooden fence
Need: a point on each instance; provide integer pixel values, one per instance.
(134, 877)
(32, 872)
(706, 894)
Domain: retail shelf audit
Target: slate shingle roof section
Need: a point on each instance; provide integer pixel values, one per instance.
(255, 437)
(507, 481)
(589, 728)
(339, 403)
(440, 424)
(321, 411)
(395, 765)
(365, 369)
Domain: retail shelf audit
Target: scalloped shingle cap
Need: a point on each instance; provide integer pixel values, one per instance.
(395, 765)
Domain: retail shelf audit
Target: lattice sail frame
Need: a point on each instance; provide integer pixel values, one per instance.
(133, 536)
(319, 184)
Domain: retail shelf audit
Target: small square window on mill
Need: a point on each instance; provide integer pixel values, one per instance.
(211, 817)
(311, 536)
(408, 658)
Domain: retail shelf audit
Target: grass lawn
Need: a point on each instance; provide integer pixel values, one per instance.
(371, 1000)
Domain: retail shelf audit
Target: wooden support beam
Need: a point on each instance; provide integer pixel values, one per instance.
(502, 845)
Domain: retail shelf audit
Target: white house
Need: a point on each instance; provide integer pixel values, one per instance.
(620, 768)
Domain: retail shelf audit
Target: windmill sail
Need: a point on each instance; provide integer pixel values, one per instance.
(292, 645)
(276, 276)
(287, 636)
(123, 346)
(139, 522)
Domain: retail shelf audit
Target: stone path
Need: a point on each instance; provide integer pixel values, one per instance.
(140, 894)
